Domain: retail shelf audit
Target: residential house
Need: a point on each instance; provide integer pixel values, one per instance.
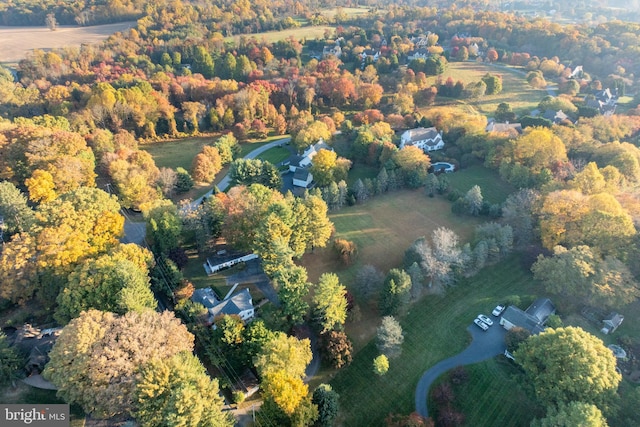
(421, 41)
(577, 73)
(206, 297)
(300, 164)
(604, 101)
(421, 53)
(532, 319)
(427, 139)
(302, 178)
(334, 50)
(611, 323)
(239, 304)
(510, 129)
(556, 117)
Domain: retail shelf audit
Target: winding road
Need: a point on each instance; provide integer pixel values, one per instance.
(485, 345)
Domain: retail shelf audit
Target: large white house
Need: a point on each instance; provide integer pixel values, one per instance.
(300, 165)
(427, 139)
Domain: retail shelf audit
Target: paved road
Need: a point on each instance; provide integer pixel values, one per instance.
(485, 345)
(226, 181)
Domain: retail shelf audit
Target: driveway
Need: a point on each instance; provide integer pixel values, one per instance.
(226, 181)
(485, 345)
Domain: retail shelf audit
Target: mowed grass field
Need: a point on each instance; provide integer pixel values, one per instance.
(306, 32)
(515, 89)
(492, 376)
(494, 189)
(383, 228)
(18, 41)
(434, 329)
(178, 152)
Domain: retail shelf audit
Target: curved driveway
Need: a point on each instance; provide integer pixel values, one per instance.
(485, 345)
(224, 182)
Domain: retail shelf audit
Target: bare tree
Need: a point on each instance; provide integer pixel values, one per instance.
(51, 22)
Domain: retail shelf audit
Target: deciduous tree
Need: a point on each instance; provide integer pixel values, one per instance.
(96, 359)
(572, 414)
(177, 391)
(329, 302)
(389, 337)
(568, 365)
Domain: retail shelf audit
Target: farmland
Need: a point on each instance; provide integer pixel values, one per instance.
(18, 41)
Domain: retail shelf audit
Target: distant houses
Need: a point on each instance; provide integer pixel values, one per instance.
(427, 139)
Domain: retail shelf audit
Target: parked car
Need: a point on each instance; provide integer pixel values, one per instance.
(481, 324)
(485, 319)
(498, 310)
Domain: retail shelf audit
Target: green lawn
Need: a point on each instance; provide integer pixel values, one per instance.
(477, 398)
(383, 228)
(361, 171)
(306, 32)
(178, 152)
(435, 328)
(275, 155)
(494, 189)
(515, 89)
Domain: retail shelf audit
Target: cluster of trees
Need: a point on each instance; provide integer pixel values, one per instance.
(573, 374)
(136, 365)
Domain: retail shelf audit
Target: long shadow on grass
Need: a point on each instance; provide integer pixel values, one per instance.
(485, 345)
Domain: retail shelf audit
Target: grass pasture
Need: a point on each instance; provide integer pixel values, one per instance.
(435, 328)
(515, 89)
(383, 228)
(178, 152)
(494, 189)
(484, 379)
(306, 32)
(18, 41)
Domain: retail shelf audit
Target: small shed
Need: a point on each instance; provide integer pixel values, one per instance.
(611, 323)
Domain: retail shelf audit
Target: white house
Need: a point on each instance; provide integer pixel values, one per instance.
(427, 139)
(300, 165)
(239, 304)
(302, 178)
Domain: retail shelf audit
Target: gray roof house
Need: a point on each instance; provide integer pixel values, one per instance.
(239, 304)
(205, 296)
(612, 322)
(427, 139)
(531, 319)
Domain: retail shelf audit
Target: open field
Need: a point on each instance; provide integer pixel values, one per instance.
(494, 189)
(515, 89)
(383, 228)
(178, 152)
(306, 32)
(17, 41)
(485, 379)
(434, 328)
(348, 11)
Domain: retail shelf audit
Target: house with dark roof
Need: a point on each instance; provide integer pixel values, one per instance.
(532, 319)
(239, 304)
(510, 129)
(421, 53)
(427, 139)
(611, 323)
(556, 117)
(205, 296)
(300, 164)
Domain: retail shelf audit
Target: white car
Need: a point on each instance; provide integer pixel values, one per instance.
(498, 310)
(481, 324)
(485, 319)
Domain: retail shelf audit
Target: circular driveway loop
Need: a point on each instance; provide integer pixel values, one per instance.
(484, 345)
